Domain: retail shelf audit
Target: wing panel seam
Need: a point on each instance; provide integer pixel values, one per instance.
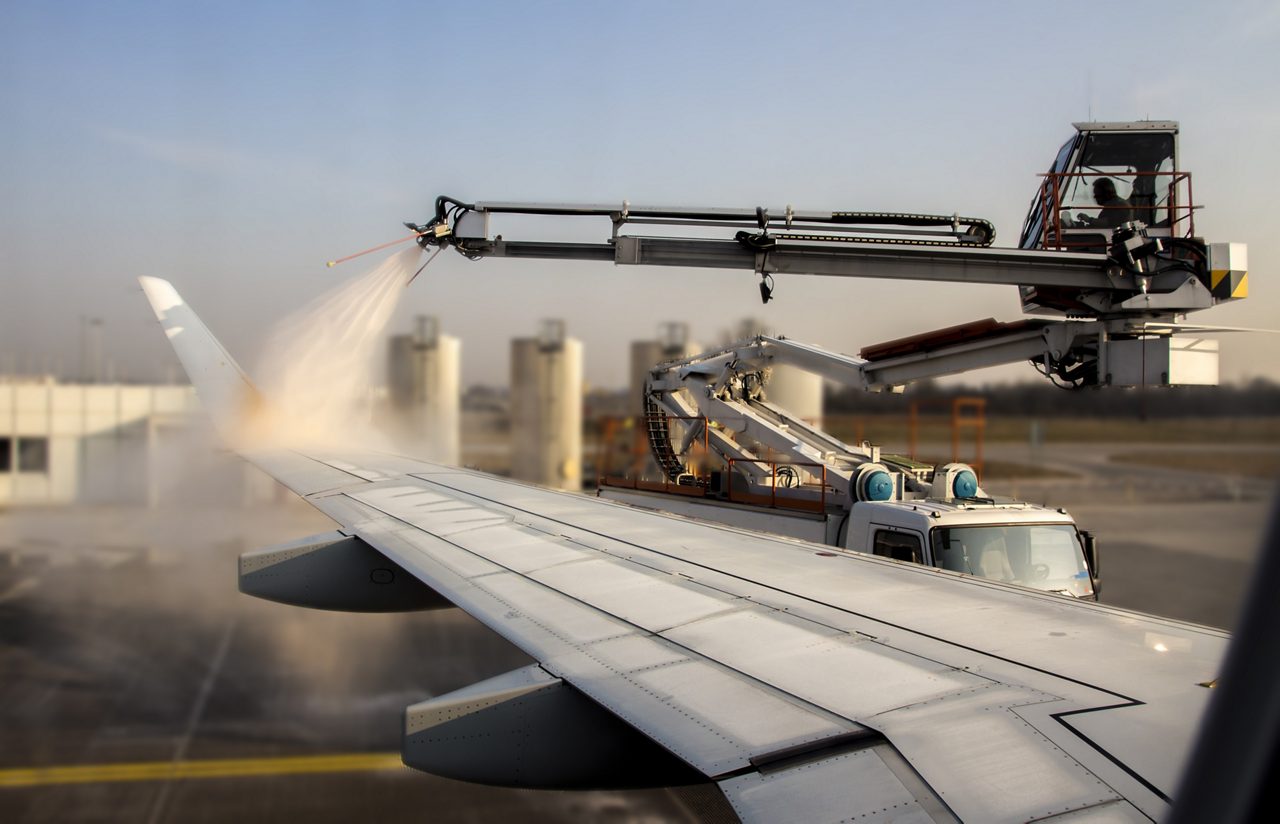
(805, 598)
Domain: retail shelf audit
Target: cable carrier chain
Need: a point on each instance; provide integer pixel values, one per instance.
(719, 400)
(1108, 255)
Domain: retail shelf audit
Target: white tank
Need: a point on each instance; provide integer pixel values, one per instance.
(546, 409)
(673, 343)
(796, 391)
(423, 387)
(644, 354)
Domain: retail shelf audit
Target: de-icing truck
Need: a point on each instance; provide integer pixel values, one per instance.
(1108, 261)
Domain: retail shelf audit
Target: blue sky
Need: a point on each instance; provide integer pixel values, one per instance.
(235, 147)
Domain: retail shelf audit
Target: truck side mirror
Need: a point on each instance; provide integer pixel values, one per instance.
(1090, 545)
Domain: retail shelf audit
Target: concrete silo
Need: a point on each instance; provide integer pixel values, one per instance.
(423, 390)
(795, 390)
(672, 343)
(546, 408)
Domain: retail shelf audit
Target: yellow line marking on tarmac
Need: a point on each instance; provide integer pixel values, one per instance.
(210, 768)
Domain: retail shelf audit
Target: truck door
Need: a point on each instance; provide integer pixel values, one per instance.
(898, 544)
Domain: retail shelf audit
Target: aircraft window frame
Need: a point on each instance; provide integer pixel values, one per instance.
(6, 454)
(911, 541)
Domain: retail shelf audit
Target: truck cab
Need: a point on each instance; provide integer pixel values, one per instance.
(1008, 541)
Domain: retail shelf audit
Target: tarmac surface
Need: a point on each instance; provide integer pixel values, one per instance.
(124, 642)
(1174, 543)
(138, 651)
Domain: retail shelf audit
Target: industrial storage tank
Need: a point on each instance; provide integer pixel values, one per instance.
(792, 389)
(423, 390)
(796, 391)
(672, 344)
(546, 408)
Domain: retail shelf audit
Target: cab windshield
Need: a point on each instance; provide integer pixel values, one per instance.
(1041, 556)
(1136, 167)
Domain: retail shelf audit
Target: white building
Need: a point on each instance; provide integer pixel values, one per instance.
(113, 443)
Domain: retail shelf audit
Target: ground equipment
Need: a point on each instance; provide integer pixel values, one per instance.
(728, 454)
(1117, 282)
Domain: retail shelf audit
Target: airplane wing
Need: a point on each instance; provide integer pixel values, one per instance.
(809, 683)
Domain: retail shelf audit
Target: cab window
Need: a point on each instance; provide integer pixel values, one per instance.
(1135, 165)
(1042, 556)
(1033, 226)
(900, 546)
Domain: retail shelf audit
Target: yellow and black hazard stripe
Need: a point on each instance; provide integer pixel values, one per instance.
(1228, 284)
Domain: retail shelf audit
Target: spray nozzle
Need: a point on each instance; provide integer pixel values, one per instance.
(431, 234)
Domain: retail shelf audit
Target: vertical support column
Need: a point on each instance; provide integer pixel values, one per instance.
(975, 420)
(913, 429)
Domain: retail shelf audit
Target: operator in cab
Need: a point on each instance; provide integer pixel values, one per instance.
(1115, 209)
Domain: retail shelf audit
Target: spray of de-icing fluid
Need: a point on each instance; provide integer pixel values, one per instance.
(314, 373)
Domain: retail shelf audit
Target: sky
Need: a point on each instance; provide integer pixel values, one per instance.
(234, 148)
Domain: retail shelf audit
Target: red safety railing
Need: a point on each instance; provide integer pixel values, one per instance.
(635, 455)
(786, 501)
(1174, 217)
(638, 452)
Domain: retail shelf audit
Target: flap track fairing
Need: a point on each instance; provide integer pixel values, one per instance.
(335, 571)
(528, 728)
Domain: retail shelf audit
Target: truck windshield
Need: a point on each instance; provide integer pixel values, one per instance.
(1042, 556)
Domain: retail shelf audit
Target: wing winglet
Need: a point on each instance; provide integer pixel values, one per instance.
(224, 389)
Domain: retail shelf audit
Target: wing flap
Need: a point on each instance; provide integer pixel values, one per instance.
(853, 786)
(998, 767)
(861, 676)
